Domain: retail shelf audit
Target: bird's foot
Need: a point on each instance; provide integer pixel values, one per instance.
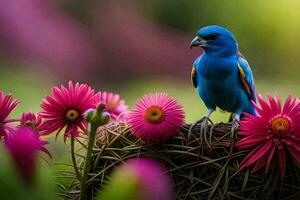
(204, 129)
(204, 132)
(235, 125)
(189, 136)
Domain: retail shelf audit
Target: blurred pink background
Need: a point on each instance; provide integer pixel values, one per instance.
(114, 42)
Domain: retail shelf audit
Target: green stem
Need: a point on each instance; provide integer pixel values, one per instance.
(78, 175)
(87, 163)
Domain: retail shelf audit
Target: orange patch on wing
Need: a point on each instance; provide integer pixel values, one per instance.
(193, 77)
(242, 77)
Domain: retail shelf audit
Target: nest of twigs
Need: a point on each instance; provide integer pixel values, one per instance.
(207, 169)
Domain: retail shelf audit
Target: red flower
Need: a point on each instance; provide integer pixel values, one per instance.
(275, 130)
(66, 109)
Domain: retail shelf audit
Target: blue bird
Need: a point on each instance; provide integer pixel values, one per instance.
(222, 75)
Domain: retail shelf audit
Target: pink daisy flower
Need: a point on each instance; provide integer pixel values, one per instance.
(66, 108)
(145, 179)
(115, 106)
(156, 117)
(275, 130)
(23, 145)
(29, 119)
(7, 104)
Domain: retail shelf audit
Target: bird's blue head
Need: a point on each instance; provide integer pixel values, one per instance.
(215, 39)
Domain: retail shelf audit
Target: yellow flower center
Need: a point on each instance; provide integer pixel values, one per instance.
(72, 115)
(280, 125)
(112, 104)
(154, 114)
(30, 123)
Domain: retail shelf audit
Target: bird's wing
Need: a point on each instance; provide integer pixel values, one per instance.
(194, 77)
(246, 77)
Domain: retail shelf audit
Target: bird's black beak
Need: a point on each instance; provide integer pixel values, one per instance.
(197, 41)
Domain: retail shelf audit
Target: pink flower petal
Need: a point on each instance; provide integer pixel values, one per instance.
(7, 104)
(23, 145)
(281, 160)
(255, 155)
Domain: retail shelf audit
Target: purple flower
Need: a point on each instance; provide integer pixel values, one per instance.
(140, 178)
(23, 145)
(154, 182)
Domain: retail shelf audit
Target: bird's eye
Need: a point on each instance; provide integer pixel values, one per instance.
(212, 36)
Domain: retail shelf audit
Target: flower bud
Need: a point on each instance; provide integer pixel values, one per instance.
(100, 107)
(105, 117)
(89, 115)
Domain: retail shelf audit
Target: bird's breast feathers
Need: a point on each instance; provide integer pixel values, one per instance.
(225, 82)
(212, 68)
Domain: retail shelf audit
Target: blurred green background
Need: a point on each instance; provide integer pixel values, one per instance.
(141, 46)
